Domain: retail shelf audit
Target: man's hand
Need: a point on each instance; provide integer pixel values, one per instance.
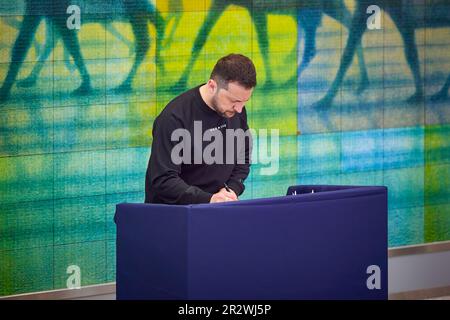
(223, 195)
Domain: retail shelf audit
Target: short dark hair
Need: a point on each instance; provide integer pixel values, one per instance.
(235, 68)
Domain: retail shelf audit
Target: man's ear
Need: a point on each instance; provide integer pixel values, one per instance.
(212, 86)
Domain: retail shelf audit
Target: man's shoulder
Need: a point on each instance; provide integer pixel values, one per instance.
(180, 102)
(178, 109)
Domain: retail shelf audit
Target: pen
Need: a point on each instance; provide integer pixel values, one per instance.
(226, 187)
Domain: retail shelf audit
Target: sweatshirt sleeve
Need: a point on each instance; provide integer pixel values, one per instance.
(242, 168)
(163, 173)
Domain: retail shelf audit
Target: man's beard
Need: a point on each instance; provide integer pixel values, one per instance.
(216, 108)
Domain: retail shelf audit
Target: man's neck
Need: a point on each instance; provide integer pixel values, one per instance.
(206, 97)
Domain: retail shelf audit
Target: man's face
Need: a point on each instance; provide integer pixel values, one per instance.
(227, 102)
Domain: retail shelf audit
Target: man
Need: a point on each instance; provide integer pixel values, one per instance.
(212, 109)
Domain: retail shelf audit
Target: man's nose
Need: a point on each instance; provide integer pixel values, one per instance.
(238, 107)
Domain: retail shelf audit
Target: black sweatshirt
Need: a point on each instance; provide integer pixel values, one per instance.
(189, 183)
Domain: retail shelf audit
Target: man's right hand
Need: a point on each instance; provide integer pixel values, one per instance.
(223, 196)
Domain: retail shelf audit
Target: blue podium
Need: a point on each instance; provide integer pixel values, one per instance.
(317, 242)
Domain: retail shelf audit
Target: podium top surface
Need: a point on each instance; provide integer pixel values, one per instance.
(299, 193)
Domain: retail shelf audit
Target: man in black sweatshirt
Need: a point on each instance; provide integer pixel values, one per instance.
(201, 141)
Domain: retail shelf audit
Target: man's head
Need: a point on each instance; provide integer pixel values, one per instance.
(231, 84)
